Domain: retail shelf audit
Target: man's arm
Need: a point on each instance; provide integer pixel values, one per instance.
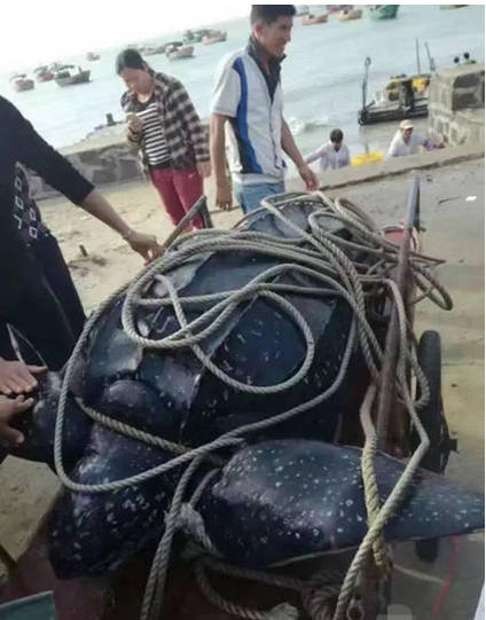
(146, 245)
(392, 149)
(38, 155)
(289, 147)
(10, 408)
(318, 154)
(218, 160)
(17, 377)
(224, 105)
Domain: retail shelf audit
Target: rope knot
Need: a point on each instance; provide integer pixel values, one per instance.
(191, 521)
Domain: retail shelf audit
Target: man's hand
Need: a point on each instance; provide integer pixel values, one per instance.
(309, 178)
(224, 197)
(8, 409)
(145, 245)
(17, 377)
(204, 169)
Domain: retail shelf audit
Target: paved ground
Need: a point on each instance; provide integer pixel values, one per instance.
(455, 231)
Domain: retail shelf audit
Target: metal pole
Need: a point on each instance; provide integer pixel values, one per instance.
(429, 56)
(417, 51)
(365, 81)
(387, 394)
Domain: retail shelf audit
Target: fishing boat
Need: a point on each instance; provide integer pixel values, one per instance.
(20, 82)
(311, 20)
(337, 8)
(43, 74)
(195, 36)
(302, 9)
(215, 36)
(69, 75)
(154, 50)
(349, 14)
(179, 52)
(404, 96)
(383, 11)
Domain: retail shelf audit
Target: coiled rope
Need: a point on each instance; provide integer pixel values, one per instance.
(320, 256)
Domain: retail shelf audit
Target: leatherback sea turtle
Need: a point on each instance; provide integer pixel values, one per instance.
(232, 328)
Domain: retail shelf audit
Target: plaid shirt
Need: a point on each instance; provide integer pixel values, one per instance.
(186, 138)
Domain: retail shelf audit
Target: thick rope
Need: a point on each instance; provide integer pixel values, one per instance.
(317, 256)
(390, 506)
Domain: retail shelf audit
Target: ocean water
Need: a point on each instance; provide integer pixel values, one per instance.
(321, 75)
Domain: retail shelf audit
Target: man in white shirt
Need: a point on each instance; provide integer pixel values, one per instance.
(407, 142)
(247, 110)
(332, 155)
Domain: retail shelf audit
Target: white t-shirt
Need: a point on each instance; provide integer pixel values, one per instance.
(330, 158)
(398, 147)
(255, 129)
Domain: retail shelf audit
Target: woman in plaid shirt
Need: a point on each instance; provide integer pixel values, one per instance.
(164, 125)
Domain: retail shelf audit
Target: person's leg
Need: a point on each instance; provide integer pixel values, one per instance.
(49, 255)
(164, 183)
(190, 188)
(240, 196)
(253, 194)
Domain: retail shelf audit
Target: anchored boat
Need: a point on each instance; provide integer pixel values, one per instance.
(312, 20)
(404, 96)
(20, 82)
(383, 11)
(347, 15)
(69, 75)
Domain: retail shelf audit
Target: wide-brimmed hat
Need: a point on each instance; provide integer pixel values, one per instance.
(406, 125)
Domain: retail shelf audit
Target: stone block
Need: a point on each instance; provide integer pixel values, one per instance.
(463, 99)
(467, 80)
(103, 175)
(129, 169)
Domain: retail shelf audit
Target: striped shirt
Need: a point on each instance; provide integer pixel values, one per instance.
(187, 139)
(155, 144)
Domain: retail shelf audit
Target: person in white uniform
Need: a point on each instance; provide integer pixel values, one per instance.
(334, 154)
(408, 142)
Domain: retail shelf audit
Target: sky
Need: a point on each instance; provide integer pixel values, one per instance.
(37, 31)
(40, 31)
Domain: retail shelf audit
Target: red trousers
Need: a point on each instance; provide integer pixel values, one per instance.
(179, 190)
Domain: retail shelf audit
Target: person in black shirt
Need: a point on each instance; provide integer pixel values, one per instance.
(37, 295)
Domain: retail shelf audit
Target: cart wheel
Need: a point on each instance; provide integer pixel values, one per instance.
(435, 424)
